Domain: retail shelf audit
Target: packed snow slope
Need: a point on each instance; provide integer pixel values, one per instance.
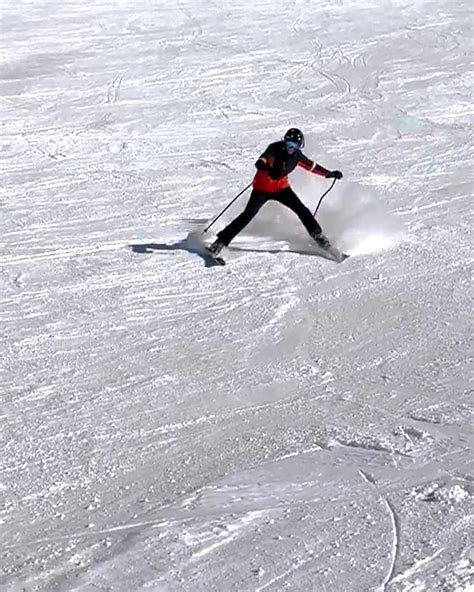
(281, 423)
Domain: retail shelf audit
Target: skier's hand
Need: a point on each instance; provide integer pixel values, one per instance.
(334, 175)
(261, 165)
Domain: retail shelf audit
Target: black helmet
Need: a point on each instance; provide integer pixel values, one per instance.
(295, 135)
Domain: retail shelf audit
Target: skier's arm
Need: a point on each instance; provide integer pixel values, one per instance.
(265, 160)
(261, 164)
(315, 168)
(308, 165)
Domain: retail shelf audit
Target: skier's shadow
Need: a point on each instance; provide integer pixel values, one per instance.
(182, 245)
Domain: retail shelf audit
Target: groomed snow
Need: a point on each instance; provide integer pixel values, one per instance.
(281, 423)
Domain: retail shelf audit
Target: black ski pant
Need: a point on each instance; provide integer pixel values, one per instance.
(286, 196)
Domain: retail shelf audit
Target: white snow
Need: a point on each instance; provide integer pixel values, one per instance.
(281, 423)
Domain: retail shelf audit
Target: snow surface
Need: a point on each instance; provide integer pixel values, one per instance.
(284, 422)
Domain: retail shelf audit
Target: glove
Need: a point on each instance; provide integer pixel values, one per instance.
(261, 165)
(334, 175)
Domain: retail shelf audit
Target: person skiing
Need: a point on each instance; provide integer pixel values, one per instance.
(271, 182)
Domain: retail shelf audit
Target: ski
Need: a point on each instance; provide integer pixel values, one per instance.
(195, 244)
(331, 253)
(338, 255)
(217, 260)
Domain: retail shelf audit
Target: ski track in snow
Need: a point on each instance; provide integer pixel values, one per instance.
(395, 529)
(284, 422)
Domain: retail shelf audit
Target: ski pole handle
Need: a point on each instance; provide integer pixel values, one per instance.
(226, 208)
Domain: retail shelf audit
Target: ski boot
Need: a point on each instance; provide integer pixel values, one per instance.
(321, 240)
(216, 247)
(334, 253)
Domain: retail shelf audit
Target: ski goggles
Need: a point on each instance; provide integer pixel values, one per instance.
(292, 145)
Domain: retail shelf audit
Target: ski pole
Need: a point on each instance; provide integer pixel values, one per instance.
(322, 197)
(226, 208)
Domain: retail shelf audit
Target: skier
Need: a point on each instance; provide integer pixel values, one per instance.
(271, 182)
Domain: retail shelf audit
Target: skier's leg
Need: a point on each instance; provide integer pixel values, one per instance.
(256, 201)
(289, 199)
